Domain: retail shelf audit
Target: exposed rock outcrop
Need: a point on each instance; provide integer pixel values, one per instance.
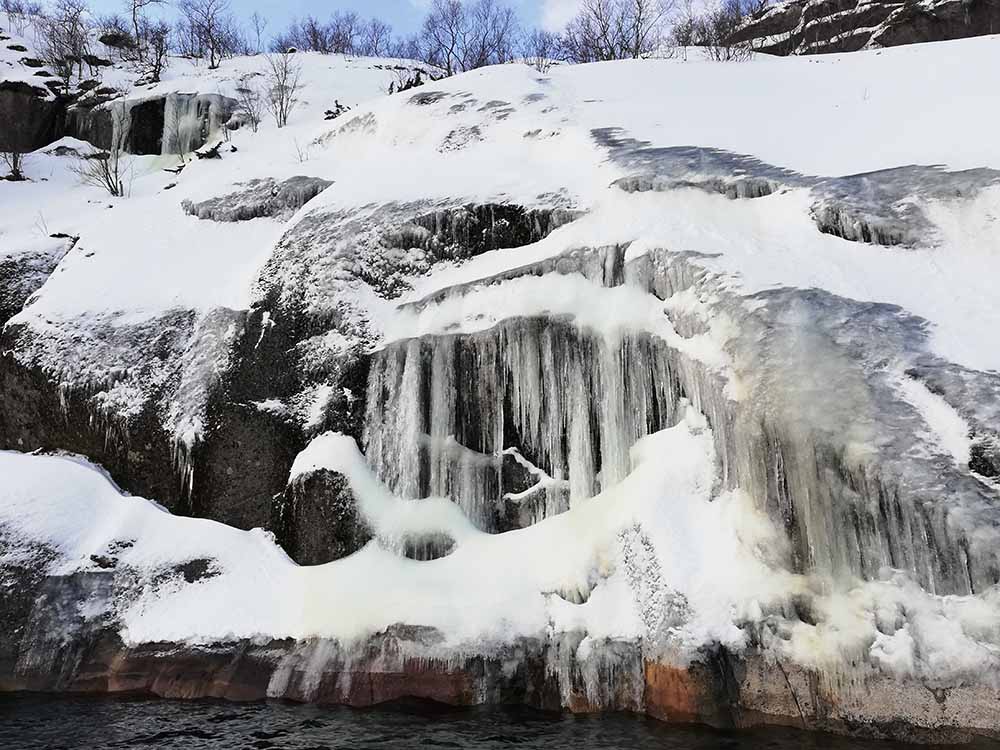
(29, 117)
(260, 198)
(57, 646)
(702, 450)
(815, 26)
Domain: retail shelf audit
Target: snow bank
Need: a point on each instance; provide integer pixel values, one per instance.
(488, 590)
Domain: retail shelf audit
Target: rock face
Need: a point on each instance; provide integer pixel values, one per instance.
(55, 647)
(694, 404)
(260, 198)
(816, 26)
(24, 270)
(29, 117)
(163, 124)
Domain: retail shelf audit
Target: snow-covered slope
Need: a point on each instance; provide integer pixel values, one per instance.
(664, 373)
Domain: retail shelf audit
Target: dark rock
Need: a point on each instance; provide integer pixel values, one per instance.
(985, 455)
(317, 519)
(97, 62)
(117, 40)
(29, 118)
(88, 84)
(145, 136)
(196, 570)
(35, 413)
(32, 62)
(811, 26)
(337, 111)
(17, 47)
(104, 561)
(23, 273)
(209, 151)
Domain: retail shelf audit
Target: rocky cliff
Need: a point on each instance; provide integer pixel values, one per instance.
(816, 26)
(520, 387)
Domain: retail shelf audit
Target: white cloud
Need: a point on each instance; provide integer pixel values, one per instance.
(557, 13)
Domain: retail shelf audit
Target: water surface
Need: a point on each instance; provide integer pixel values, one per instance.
(34, 722)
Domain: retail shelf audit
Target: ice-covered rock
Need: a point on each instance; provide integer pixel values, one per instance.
(551, 393)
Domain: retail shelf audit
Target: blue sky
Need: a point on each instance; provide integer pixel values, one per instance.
(404, 15)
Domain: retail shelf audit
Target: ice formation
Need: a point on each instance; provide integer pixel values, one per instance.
(577, 394)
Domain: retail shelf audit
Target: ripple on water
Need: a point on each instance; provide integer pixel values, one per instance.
(37, 722)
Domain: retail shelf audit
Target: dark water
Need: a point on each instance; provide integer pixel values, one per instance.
(33, 722)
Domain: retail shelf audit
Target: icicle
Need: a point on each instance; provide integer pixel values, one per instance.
(443, 409)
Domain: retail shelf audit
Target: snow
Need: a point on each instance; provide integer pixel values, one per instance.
(853, 105)
(946, 426)
(511, 134)
(609, 311)
(491, 588)
(716, 552)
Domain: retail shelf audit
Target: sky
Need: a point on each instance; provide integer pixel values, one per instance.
(404, 15)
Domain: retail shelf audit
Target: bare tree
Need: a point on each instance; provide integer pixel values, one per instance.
(682, 33)
(257, 25)
(157, 36)
(20, 14)
(491, 35)
(250, 100)
(187, 41)
(283, 79)
(714, 30)
(112, 169)
(113, 32)
(137, 12)
(375, 38)
(616, 29)
(540, 48)
(210, 22)
(409, 48)
(459, 37)
(443, 34)
(65, 38)
(14, 161)
(344, 32)
(313, 35)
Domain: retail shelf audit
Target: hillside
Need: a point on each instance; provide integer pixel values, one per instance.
(659, 385)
